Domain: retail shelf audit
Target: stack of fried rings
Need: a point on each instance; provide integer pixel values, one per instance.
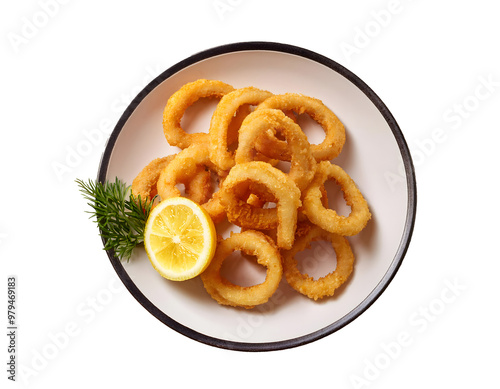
(251, 130)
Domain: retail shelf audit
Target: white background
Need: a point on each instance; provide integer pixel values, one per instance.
(70, 67)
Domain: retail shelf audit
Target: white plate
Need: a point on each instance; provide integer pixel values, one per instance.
(375, 151)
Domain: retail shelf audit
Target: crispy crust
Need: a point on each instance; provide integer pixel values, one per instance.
(198, 188)
(180, 101)
(227, 293)
(184, 168)
(219, 134)
(328, 219)
(324, 286)
(334, 129)
(303, 164)
(283, 189)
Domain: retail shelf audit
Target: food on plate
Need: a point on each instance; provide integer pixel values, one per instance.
(251, 243)
(197, 188)
(185, 168)
(180, 101)
(334, 140)
(282, 189)
(144, 184)
(179, 238)
(323, 286)
(272, 121)
(252, 131)
(219, 133)
(328, 219)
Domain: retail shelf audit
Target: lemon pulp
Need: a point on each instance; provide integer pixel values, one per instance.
(179, 238)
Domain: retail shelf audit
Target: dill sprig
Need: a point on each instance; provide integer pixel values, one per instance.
(120, 216)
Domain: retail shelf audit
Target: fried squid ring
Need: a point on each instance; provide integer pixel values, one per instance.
(333, 127)
(324, 286)
(145, 183)
(184, 168)
(221, 119)
(303, 164)
(277, 184)
(180, 101)
(250, 243)
(328, 219)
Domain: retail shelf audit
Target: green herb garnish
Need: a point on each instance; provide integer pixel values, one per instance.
(120, 215)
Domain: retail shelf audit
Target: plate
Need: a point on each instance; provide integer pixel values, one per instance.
(375, 155)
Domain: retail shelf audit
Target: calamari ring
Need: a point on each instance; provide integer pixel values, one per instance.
(328, 219)
(180, 101)
(279, 186)
(221, 119)
(184, 168)
(324, 286)
(334, 140)
(251, 243)
(145, 183)
(303, 164)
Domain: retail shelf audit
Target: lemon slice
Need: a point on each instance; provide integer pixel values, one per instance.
(179, 238)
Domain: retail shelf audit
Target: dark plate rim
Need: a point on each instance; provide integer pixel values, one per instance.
(410, 180)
